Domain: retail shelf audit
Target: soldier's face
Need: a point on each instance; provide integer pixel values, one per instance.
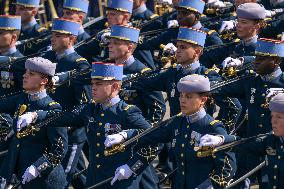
(115, 17)
(102, 90)
(73, 15)
(246, 28)
(118, 49)
(60, 42)
(191, 103)
(264, 64)
(33, 81)
(6, 38)
(25, 13)
(186, 18)
(277, 121)
(185, 53)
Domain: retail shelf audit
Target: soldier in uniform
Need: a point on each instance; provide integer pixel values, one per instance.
(248, 26)
(64, 33)
(254, 90)
(118, 13)
(27, 9)
(123, 41)
(76, 10)
(270, 146)
(35, 157)
(184, 131)
(107, 115)
(10, 27)
(189, 13)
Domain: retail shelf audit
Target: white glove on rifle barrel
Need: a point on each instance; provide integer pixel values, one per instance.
(30, 174)
(211, 140)
(26, 119)
(123, 172)
(232, 62)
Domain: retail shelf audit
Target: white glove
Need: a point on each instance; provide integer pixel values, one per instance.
(170, 48)
(172, 24)
(30, 174)
(26, 119)
(269, 13)
(55, 80)
(211, 140)
(232, 62)
(273, 91)
(115, 139)
(167, 2)
(227, 25)
(104, 37)
(121, 173)
(216, 3)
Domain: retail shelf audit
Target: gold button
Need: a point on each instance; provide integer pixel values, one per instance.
(182, 173)
(18, 145)
(98, 166)
(274, 177)
(262, 94)
(262, 115)
(98, 144)
(281, 146)
(275, 166)
(264, 85)
(97, 155)
(182, 145)
(182, 163)
(260, 125)
(185, 136)
(98, 134)
(187, 126)
(279, 157)
(100, 124)
(181, 155)
(102, 115)
(274, 187)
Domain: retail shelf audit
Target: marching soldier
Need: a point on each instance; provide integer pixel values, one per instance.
(271, 146)
(35, 157)
(123, 41)
(254, 90)
(184, 132)
(189, 13)
(107, 115)
(64, 33)
(27, 9)
(248, 27)
(118, 13)
(76, 10)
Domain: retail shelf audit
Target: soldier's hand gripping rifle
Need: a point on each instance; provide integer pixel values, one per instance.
(205, 151)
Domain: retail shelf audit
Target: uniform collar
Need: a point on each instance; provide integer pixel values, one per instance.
(9, 51)
(190, 67)
(198, 25)
(110, 102)
(196, 116)
(251, 41)
(38, 95)
(29, 25)
(81, 30)
(129, 61)
(272, 76)
(65, 53)
(139, 10)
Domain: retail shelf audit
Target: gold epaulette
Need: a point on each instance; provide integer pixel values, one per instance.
(127, 107)
(41, 29)
(53, 103)
(215, 121)
(208, 71)
(179, 114)
(174, 65)
(81, 59)
(154, 16)
(211, 31)
(145, 69)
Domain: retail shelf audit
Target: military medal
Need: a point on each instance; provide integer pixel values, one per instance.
(22, 109)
